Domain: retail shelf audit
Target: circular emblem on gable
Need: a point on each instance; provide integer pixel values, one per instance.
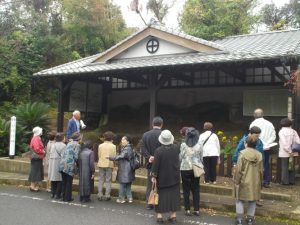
(152, 45)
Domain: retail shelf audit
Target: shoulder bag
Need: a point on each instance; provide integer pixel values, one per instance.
(197, 169)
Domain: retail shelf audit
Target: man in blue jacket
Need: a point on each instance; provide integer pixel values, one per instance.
(73, 124)
(255, 131)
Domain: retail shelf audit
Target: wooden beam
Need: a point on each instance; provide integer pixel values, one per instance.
(153, 88)
(60, 111)
(276, 73)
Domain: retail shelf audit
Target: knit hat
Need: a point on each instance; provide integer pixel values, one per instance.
(37, 131)
(166, 137)
(192, 137)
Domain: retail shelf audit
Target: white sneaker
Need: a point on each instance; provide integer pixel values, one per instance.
(121, 201)
(130, 200)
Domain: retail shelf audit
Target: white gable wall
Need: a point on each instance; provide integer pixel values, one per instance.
(140, 50)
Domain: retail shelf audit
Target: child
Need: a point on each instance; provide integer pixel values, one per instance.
(125, 174)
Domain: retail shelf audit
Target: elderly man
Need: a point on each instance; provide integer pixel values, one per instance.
(267, 136)
(73, 124)
(149, 144)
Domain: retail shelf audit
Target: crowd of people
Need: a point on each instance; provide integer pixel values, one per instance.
(168, 164)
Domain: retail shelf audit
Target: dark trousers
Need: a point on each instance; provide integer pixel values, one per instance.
(56, 188)
(267, 177)
(149, 185)
(190, 184)
(287, 177)
(210, 168)
(67, 186)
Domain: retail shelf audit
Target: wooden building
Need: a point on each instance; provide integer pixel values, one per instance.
(159, 65)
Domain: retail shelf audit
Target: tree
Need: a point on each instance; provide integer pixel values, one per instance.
(214, 19)
(159, 8)
(279, 18)
(92, 26)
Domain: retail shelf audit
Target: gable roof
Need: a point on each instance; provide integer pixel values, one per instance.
(270, 45)
(170, 35)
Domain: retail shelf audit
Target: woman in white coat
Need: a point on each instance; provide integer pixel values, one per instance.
(54, 160)
(211, 152)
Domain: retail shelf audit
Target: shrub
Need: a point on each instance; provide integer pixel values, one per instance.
(30, 115)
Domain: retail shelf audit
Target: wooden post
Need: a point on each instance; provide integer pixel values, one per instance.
(278, 170)
(221, 166)
(229, 165)
(153, 97)
(60, 111)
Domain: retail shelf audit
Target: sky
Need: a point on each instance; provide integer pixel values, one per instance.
(132, 19)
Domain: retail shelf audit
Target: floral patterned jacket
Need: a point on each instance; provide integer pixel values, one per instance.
(69, 158)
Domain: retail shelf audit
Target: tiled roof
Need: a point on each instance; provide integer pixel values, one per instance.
(236, 48)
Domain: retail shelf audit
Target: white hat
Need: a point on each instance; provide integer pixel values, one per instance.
(166, 137)
(37, 131)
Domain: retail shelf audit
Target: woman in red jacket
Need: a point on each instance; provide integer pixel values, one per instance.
(36, 163)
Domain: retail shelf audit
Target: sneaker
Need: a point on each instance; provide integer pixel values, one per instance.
(249, 220)
(100, 198)
(130, 200)
(108, 198)
(188, 213)
(196, 213)
(238, 222)
(205, 182)
(120, 201)
(214, 182)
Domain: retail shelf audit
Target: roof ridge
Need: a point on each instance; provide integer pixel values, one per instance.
(184, 35)
(259, 33)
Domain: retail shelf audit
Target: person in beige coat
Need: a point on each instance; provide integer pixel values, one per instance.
(105, 150)
(248, 180)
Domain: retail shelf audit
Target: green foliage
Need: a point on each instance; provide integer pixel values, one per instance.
(279, 18)
(159, 9)
(21, 144)
(227, 143)
(215, 19)
(4, 137)
(92, 26)
(30, 115)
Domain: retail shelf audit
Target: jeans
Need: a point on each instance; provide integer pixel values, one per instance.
(104, 176)
(239, 204)
(125, 191)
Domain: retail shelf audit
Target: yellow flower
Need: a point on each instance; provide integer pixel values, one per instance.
(220, 133)
(224, 138)
(235, 138)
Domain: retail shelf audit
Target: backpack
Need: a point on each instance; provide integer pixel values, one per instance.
(135, 161)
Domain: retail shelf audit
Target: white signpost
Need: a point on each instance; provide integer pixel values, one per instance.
(12, 141)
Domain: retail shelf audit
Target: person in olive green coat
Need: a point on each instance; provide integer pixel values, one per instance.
(248, 180)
